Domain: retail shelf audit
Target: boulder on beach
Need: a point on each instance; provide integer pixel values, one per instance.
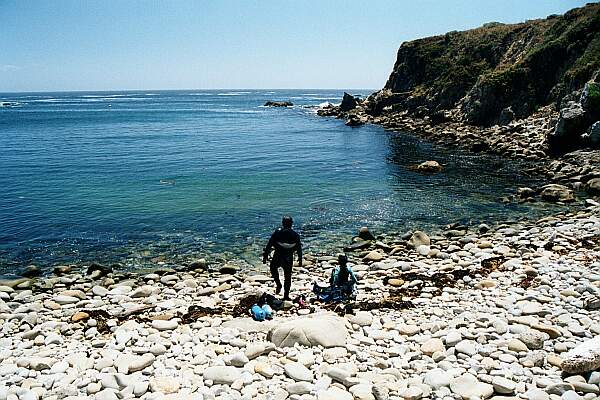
(429, 167)
(592, 187)
(417, 239)
(556, 193)
(468, 386)
(98, 270)
(571, 124)
(592, 137)
(583, 358)
(507, 115)
(324, 330)
(271, 103)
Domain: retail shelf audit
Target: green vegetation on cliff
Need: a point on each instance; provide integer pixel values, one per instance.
(482, 71)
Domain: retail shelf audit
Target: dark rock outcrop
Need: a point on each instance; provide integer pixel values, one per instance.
(278, 104)
(354, 120)
(567, 134)
(349, 102)
(592, 137)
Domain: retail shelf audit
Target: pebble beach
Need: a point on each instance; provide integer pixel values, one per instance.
(514, 332)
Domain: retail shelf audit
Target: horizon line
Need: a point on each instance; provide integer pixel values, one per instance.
(174, 90)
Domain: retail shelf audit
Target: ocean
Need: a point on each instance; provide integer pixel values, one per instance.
(148, 178)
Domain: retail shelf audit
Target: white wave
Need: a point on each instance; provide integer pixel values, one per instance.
(233, 93)
(105, 96)
(229, 111)
(200, 94)
(325, 104)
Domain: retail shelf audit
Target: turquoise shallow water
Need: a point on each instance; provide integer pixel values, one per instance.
(136, 177)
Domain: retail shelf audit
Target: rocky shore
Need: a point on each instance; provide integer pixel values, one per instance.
(524, 139)
(496, 312)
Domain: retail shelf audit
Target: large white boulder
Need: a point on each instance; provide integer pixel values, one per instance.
(326, 330)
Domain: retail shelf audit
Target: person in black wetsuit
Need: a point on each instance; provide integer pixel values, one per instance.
(285, 241)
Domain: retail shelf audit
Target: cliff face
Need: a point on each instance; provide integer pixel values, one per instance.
(476, 74)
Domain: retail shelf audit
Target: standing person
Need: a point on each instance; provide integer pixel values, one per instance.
(285, 241)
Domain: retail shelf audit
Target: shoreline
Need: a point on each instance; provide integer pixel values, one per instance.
(499, 310)
(523, 139)
(527, 319)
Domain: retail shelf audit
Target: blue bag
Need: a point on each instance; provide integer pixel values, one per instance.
(258, 314)
(268, 311)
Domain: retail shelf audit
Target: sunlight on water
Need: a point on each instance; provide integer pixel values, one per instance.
(137, 177)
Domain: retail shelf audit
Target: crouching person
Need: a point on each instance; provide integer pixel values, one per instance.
(342, 284)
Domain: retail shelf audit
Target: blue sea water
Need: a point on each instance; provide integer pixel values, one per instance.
(141, 177)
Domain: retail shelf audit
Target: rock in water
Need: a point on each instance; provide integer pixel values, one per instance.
(555, 192)
(349, 102)
(365, 234)
(31, 271)
(429, 167)
(583, 358)
(318, 330)
(417, 239)
(100, 270)
(354, 120)
(525, 193)
(278, 104)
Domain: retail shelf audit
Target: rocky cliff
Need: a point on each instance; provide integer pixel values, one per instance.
(496, 72)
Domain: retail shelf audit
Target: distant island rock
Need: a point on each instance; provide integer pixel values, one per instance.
(271, 103)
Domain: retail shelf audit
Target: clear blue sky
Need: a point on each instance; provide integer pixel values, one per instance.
(105, 45)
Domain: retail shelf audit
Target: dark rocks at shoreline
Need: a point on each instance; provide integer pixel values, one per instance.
(271, 103)
(31, 271)
(484, 290)
(98, 270)
(520, 108)
(578, 124)
(349, 102)
(354, 120)
(557, 193)
(365, 234)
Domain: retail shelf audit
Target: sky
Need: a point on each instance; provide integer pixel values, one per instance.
(64, 45)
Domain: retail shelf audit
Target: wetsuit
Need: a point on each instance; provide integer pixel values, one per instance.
(285, 241)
